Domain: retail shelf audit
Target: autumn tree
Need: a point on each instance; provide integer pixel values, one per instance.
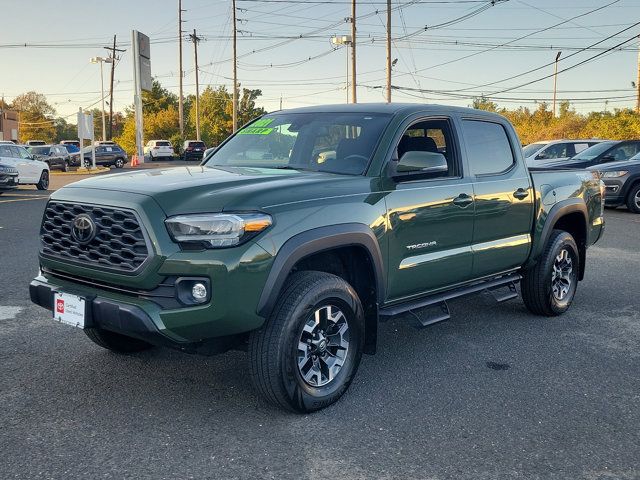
(36, 117)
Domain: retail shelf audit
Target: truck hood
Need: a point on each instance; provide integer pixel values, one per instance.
(207, 189)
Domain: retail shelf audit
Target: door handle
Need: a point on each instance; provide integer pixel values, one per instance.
(463, 200)
(521, 194)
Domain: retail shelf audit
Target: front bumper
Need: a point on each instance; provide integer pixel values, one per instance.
(8, 181)
(613, 196)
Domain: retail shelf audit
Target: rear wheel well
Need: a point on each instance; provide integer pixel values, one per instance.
(354, 265)
(574, 223)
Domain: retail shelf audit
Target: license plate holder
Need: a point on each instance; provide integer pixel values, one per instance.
(70, 309)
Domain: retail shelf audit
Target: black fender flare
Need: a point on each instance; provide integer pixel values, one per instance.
(559, 210)
(315, 241)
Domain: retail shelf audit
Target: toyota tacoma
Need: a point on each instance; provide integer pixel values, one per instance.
(307, 227)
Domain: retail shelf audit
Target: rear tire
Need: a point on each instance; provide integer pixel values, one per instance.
(306, 354)
(633, 199)
(116, 342)
(43, 184)
(548, 288)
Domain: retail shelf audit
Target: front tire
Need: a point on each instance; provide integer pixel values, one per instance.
(65, 166)
(119, 163)
(116, 342)
(633, 200)
(308, 351)
(548, 288)
(43, 184)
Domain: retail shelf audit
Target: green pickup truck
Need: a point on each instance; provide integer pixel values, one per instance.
(302, 231)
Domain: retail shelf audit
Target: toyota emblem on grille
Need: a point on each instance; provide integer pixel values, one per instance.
(84, 229)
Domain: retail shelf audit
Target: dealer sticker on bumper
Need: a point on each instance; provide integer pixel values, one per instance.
(69, 309)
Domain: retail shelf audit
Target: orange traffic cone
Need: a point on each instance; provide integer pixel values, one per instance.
(134, 161)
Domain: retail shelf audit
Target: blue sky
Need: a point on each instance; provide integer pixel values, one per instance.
(456, 62)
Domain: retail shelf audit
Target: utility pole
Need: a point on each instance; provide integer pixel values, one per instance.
(354, 98)
(180, 97)
(235, 68)
(113, 57)
(195, 39)
(555, 82)
(638, 84)
(388, 51)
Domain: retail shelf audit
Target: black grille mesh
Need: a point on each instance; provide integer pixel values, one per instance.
(119, 243)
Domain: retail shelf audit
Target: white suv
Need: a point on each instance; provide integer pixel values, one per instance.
(158, 149)
(30, 170)
(540, 153)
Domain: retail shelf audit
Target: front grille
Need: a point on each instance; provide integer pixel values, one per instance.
(119, 243)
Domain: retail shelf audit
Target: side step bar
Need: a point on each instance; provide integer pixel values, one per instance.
(439, 299)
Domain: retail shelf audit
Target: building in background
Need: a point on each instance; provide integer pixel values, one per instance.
(9, 122)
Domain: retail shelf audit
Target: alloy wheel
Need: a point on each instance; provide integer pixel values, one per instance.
(562, 275)
(323, 345)
(636, 199)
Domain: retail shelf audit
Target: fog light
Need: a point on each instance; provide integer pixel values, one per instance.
(199, 292)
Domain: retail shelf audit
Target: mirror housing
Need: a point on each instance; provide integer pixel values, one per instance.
(422, 162)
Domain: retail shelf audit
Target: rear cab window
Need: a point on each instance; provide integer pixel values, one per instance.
(489, 148)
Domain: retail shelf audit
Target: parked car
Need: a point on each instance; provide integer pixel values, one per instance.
(106, 155)
(193, 150)
(556, 150)
(30, 170)
(8, 177)
(32, 143)
(266, 249)
(156, 149)
(622, 182)
(604, 152)
(56, 156)
(75, 143)
(74, 154)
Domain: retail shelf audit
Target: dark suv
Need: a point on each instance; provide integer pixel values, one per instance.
(193, 150)
(56, 156)
(108, 155)
(604, 152)
(622, 181)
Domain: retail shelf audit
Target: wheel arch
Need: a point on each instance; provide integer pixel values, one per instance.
(350, 251)
(570, 216)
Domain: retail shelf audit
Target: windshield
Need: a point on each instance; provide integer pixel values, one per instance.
(328, 142)
(163, 144)
(592, 152)
(532, 149)
(39, 150)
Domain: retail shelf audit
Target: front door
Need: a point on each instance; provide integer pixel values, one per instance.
(503, 195)
(430, 219)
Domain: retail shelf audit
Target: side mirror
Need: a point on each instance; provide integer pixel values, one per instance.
(422, 162)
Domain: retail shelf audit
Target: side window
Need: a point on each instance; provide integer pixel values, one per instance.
(489, 148)
(578, 147)
(558, 150)
(433, 136)
(624, 152)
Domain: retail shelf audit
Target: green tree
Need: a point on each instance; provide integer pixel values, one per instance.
(36, 117)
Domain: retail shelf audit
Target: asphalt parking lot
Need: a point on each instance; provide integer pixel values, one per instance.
(494, 393)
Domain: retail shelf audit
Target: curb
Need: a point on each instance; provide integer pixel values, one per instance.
(83, 171)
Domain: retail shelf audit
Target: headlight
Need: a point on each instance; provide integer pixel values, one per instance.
(217, 230)
(615, 174)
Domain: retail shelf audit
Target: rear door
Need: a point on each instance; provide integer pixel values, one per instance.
(28, 169)
(430, 220)
(503, 197)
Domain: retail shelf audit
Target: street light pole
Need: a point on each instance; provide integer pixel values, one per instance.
(344, 40)
(101, 60)
(555, 82)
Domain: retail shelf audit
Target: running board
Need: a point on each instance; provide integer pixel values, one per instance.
(431, 314)
(501, 295)
(508, 281)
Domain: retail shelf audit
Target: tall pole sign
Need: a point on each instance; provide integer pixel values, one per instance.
(142, 81)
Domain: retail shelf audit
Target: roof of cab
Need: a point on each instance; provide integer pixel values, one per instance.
(390, 108)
